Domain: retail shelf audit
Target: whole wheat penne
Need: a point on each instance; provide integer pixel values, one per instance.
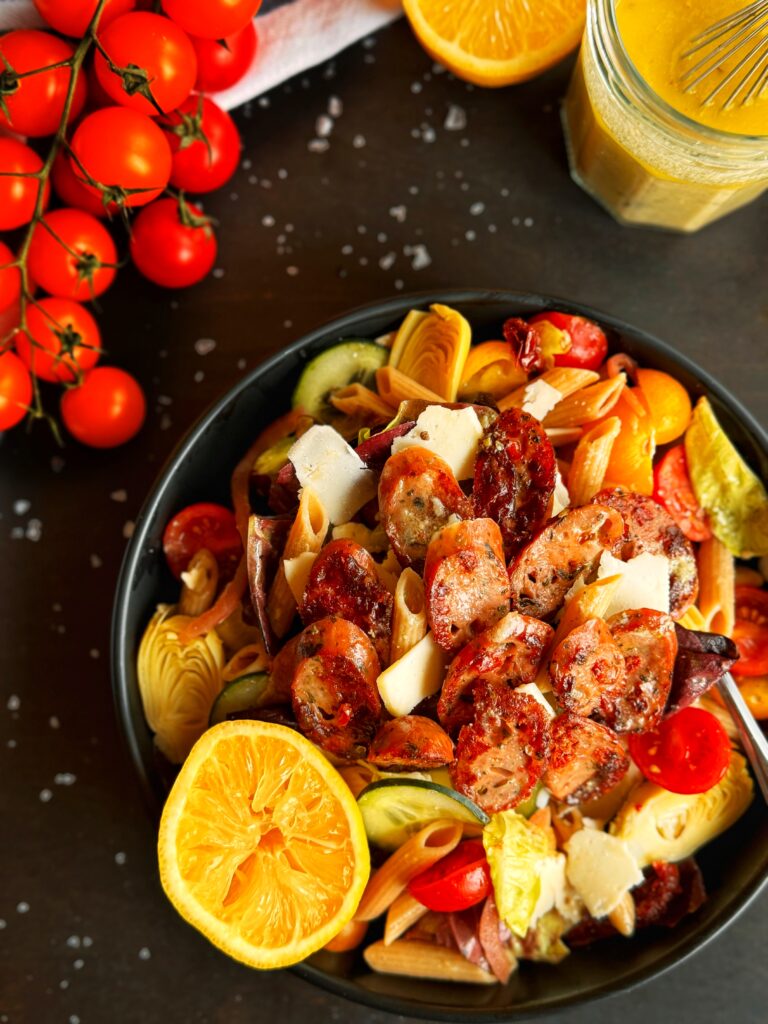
(374, 540)
(409, 615)
(417, 959)
(565, 379)
(405, 910)
(590, 460)
(350, 937)
(395, 387)
(307, 533)
(716, 586)
(251, 658)
(622, 917)
(417, 853)
(358, 400)
(588, 404)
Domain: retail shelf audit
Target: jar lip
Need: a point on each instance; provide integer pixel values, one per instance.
(713, 134)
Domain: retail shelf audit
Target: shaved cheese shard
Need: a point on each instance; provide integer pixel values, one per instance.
(561, 499)
(453, 434)
(540, 398)
(418, 674)
(601, 869)
(554, 888)
(644, 582)
(325, 462)
(534, 691)
(297, 572)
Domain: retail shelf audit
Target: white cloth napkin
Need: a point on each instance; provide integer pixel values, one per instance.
(292, 37)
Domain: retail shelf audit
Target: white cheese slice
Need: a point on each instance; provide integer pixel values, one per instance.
(453, 434)
(553, 885)
(601, 869)
(297, 572)
(533, 691)
(644, 582)
(325, 462)
(540, 398)
(418, 674)
(561, 499)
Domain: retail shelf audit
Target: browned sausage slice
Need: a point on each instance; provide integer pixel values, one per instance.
(585, 666)
(410, 743)
(586, 759)
(567, 548)
(465, 582)
(649, 527)
(334, 694)
(503, 753)
(509, 652)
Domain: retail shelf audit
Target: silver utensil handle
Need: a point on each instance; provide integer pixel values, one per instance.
(752, 736)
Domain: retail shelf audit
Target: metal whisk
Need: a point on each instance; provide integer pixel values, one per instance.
(741, 37)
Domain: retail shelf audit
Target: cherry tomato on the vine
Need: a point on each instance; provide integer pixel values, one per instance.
(15, 390)
(18, 194)
(688, 753)
(53, 265)
(65, 340)
(205, 144)
(35, 104)
(221, 63)
(750, 634)
(589, 345)
(107, 409)
(203, 525)
(459, 880)
(211, 19)
(73, 17)
(73, 192)
(171, 245)
(10, 279)
(123, 150)
(160, 49)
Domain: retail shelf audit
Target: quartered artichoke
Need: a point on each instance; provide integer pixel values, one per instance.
(432, 349)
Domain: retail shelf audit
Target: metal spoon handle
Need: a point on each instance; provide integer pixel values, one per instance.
(752, 737)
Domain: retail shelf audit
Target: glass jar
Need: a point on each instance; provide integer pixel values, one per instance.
(645, 162)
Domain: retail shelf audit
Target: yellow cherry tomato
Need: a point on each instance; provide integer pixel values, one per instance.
(631, 461)
(668, 402)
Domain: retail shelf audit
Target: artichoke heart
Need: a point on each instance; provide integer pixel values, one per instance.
(432, 348)
(178, 683)
(659, 825)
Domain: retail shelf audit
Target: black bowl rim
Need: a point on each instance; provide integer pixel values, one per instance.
(341, 326)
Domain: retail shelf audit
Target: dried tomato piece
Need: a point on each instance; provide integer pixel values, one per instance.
(525, 343)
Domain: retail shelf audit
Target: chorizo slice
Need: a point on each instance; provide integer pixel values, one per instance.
(465, 582)
(586, 759)
(418, 495)
(567, 548)
(509, 652)
(411, 743)
(515, 474)
(585, 666)
(648, 641)
(333, 693)
(502, 753)
(343, 581)
(649, 527)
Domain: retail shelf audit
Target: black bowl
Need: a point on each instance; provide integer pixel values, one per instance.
(735, 866)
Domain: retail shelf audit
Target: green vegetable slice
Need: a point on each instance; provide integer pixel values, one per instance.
(393, 810)
(725, 486)
(349, 362)
(246, 693)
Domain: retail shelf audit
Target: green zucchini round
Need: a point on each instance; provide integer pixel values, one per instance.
(393, 809)
(349, 362)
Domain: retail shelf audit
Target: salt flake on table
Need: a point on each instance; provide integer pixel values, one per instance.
(22, 506)
(455, 119)
(399, 213)
(14, 702)
(204, 345)
(335, 106)
(477, 208)
(96, 562)
(120, 495)
(64, 779)
(420, 258)
(323, 126)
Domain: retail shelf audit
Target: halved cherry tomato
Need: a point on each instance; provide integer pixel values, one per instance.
(750, 634)
(669, 403)
(688, 753)
(460, 880)
(631, 461)
(672, 489)
(203, 525)
(589, 345)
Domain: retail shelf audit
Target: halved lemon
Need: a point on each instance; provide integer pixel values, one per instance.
(497, 42)
(262, 847)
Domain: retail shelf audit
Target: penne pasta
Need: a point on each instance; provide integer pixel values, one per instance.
(375, 541)
(199, 583)
(591, 602)
(587, 405)
(251, 658)
(359, 401)
(307, 533)
(395, 387)
(403, 913)
(350, 937)
(565, 379)
(297, 572)
(590, 460)
(417, 959)
(563, 435)
(389, 571)
(409, 615)
(716, 586)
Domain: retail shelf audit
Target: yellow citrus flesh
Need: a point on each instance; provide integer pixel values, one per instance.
(497, 42)
(262, 847)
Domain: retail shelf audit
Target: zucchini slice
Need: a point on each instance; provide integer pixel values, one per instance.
(246, 693)
(393, 809)
(349, 362)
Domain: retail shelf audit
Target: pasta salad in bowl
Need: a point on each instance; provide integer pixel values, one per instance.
(420, 657)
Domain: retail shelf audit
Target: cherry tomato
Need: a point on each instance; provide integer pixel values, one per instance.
(107, 409)
(169, 251)
(10, 279)
(72, 191)
(123, 150)
(18, 195)
(750, 634)
(204, 525)
(211, 19)
(52, 264)
(73, 17)
(672, 488)
(205, 144)
(158, 47)
(688, 753)
(589, 345)
(754, 690)
(460, 880)
(15, 390)
(669, 403)
(221, 63)
(67, 340)
(35, 106)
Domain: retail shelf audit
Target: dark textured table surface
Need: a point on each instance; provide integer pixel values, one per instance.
(422, 182)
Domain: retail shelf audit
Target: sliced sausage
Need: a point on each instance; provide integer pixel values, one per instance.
(586, 759)
(283, 667)
(418, 495)
(585, 666)
(503, 753)
(509, 652)
(334, 694)
(515, 476)
(648, 641)
(649, 527)
(567, 548)
(411, 743)
(465, 582)
(343, 581)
